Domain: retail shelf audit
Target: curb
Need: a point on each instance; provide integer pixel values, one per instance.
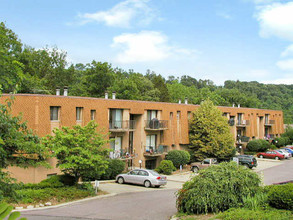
(268, 160)
(67, 203)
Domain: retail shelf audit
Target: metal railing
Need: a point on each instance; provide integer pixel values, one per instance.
(122, 125)
(243, 123)
(121, 154)
(158, 150)
(156, 124)
(269, 122)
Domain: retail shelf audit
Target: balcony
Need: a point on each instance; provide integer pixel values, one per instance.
(122, 155)
(155, 151)
(156, 125)
(122, 126)
(242, 139)
(243, 123)
(269, 122)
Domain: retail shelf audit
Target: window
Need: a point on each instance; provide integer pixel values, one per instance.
(239, 118)
(116, 118)
(79, 111)
(116, 144)
(152, 114)
(266, 118)
(189, 115)
(143, 173)
(54, 113)
(93, 114)
(151, 142)
(178, 115)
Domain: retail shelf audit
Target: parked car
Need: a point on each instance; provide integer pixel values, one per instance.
(145, 177)
(271, 154)
(289, 146)
(286, 154)
(288, 149)
(196, 166)
(247, 160)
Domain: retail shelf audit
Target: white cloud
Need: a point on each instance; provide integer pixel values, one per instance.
(224, 15)
(285, 64)
(288, 51)
(276, 20)
(146, 46)
(260, 2)
(285, 80)
(123, 14)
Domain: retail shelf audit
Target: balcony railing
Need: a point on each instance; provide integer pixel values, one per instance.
(122, 154)
(243, 123)
(122, 125)
(151, 151)
(156, 124)
(269, 122)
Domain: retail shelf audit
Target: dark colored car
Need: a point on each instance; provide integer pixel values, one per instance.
(247, 160)
(271, 154)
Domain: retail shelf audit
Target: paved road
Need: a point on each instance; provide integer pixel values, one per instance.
(136, 202)
(280, 173)
(149, 205)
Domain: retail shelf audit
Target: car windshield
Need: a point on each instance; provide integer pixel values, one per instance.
(154, 173)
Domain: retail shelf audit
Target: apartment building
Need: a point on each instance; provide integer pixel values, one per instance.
(140, 131)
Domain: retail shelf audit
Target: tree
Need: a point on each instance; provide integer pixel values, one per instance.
(11, 74)
(210, 134)
(79, 149)
(18, 144)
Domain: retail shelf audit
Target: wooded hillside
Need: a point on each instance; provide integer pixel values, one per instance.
(28, 70)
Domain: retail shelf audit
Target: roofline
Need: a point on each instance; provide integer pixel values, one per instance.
(125, 100)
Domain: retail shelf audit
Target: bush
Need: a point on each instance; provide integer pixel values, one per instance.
(289, 134)
(281, 141)
(217, 188)
(258, 145)
(259, 200)
(58, 194)
(281, 196)
(259, 214)
(87, 187)
(7, 186)
(56, 181)
(249, 153)
(166, 167)
(178, 157)
(115, 167)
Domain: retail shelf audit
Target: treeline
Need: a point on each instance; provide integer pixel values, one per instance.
(28, 70)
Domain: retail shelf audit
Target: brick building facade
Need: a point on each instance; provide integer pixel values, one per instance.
(140, 130)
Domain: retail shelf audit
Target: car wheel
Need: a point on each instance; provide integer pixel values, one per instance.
(147, 184)
(120, 180)
(260, 156)
(195, 169)
(276, 158)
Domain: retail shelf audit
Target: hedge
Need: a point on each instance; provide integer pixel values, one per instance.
(281, 196)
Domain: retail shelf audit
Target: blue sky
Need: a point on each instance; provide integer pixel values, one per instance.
(247, 40)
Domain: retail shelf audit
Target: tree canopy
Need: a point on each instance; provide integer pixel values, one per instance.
(209, 133)
(79, 149)
(28, 70)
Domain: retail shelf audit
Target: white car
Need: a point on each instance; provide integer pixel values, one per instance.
(286, 154)
(145, 177)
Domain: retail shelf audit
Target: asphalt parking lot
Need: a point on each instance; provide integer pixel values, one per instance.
(177, 180)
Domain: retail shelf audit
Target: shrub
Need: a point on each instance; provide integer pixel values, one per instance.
(259, 200)
(115, 167)
(253, 145)
(273, 147)
(281, 141)
(178, 157)
(166, 167)
(258, 145)
(217, 188)
(289, 134)
(259, 214)
(249, 153)
(57, 194)
(87, 187)
(7, 186)
(281, 196)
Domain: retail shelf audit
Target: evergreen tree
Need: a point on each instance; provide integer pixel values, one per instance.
(210, 135)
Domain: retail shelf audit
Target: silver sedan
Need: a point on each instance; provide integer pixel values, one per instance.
(145, 177)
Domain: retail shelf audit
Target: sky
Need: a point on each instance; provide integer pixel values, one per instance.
(246, 40)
